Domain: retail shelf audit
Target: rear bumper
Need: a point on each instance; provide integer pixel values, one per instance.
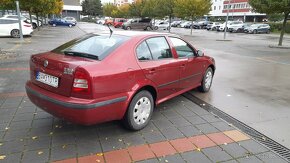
(79, 111)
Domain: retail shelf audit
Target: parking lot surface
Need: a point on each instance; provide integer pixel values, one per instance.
(180, 131)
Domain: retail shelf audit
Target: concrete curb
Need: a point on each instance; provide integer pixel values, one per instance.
(279, 47)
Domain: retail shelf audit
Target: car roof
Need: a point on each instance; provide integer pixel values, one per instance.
(138, 33)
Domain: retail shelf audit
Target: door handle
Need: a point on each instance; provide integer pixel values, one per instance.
(151, 71)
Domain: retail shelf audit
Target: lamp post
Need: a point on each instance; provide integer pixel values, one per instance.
(226, 25)
(19, 19)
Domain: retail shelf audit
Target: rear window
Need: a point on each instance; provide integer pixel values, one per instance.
(92, 46)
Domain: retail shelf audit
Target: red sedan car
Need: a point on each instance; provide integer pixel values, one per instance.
(103, 77)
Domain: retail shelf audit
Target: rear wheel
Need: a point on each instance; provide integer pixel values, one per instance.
(139, 111)
(155, 27)
(148, 28)
(54, 25)
(255, 32)
(206, 80)
(128, 28)
(70, 25)
(34, 25)
(15, 33)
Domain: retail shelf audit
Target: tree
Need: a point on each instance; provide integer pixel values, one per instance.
(273, 7)
(92, 7)
(136, 8)
(150, 8)
(192, 8)
(166, 8)
(110, 9)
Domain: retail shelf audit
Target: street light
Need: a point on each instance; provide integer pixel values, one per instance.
(19, 19)
(226, 25)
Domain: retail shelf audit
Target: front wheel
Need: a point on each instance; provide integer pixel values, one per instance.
(148, 28)
(206, 80)
(139, 111)
(128, 28)
(70, 25)
(15, 33)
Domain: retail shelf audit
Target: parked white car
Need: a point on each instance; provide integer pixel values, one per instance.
(162, 25)
(229, 25)
(10, 27)
(26, 17)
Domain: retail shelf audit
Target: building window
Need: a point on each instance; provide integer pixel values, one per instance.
(214, 8)
(219, 7)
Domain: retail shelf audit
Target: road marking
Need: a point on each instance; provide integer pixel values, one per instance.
(15, 69)
(13, 94)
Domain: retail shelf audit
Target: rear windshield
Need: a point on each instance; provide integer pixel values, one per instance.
(92, 46)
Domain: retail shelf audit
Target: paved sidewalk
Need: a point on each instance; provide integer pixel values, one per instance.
(180, 131)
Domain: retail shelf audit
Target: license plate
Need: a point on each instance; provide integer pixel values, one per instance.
(47, 79)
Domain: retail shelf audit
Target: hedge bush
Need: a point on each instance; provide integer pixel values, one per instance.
(278, 27)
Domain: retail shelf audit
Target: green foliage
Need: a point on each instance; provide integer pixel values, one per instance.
(278, 27)
(151, 8)
(110, 9)
(92, 7)
(192, 8)
(166, 7)
(136, 8)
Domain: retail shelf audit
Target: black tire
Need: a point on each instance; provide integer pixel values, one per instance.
(213, 29)
(128, 28)
(268, 31)
(148, 28)
(255, 32)
(155, 28)
(34, 25)
(15, 33)
(204, 87)
(129, 120)
(70, 25)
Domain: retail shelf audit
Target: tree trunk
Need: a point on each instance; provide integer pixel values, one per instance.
(283, 29)
(30, 17)
(191, 25)
(169, 28)
(37, 21)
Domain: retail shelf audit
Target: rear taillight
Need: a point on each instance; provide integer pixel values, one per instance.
(26, 25)
(81, 84)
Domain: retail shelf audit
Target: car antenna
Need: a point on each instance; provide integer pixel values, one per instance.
(111, 31)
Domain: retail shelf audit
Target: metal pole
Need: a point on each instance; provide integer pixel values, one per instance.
(19, 19)
(226, 25)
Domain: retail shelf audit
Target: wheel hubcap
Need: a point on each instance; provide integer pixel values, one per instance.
(142, 110)
(208, 79)
(16, 33)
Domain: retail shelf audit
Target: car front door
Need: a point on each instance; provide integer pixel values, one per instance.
(159, 65)
(191, 69)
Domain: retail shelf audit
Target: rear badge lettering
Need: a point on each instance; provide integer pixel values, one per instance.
(68, 71)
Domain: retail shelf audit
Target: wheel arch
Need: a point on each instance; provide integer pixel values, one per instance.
(150, 89)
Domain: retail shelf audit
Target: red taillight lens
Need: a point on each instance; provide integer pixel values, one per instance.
(27, 25)
(81, 83)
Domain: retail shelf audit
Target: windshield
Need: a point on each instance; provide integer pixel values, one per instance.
(93, 46)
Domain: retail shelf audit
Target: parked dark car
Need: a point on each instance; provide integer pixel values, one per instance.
(259, 28)
(61, 22)
(239, 28)
(123, 76)
(141, 24)
(175, 23)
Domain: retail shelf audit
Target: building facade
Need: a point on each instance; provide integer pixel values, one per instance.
(237, 9)
(72, 8)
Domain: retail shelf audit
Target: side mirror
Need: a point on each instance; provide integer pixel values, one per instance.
(200, 53)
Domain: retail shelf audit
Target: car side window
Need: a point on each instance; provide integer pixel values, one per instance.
(159, 48)
(143, 52)
(182, 48)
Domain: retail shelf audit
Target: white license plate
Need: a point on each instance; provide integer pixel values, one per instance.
(47, 79)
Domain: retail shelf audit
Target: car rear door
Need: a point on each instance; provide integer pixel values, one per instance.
(191, 69)
(159, 65)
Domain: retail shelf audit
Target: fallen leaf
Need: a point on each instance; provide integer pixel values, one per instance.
(6, 128)
(198, 149)
(120, 140)
(264, 138)
(21, 140)
(56, 126)
(51, 133)
(166, 160)
(225, 143)
(64, 146)
(229, 95)
(2, 157)
(34, 137)
(100, 154)
(106, 138)
(114, 147)
(98, 160)
(230, 124)
(1, 144)
(40, 152)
